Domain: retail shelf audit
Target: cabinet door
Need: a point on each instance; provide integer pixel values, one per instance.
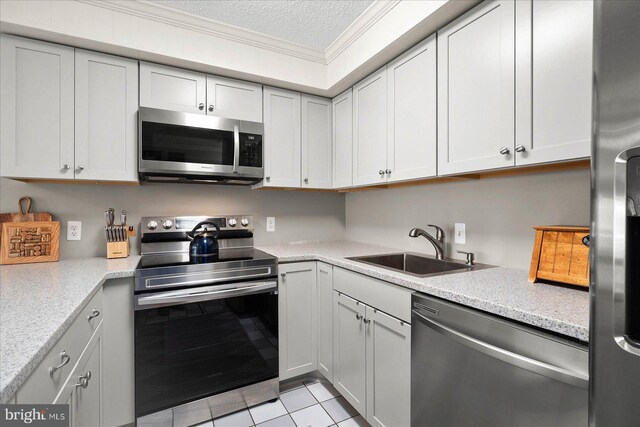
(297, 319)
(234, 99)
(36, 109)
(370, 129)
(476, 112)
(106, 117)
(554, 77)
(349, 348)
(343, 140)
(411, 141)
(316, 142)
(87, 402)
(388, 370)
(172, 88)
(325, 320)
(281, 138)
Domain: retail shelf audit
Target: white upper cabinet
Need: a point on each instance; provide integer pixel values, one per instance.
(106, 96)
(412, 113)
(343, 140)
(282, 139)
(36, 109)
(234, 99)
(553, 80)
(476, 106)
(171, 88)
(316, 142)
(370, 129)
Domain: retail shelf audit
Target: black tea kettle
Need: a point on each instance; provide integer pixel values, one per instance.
(203, 243)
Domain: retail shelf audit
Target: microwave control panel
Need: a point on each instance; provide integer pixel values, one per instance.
(250, 150)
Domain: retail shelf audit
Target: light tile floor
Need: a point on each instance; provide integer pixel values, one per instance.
(312, 404)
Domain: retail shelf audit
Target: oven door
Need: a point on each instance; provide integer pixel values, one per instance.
(194, 343)
(177, 143)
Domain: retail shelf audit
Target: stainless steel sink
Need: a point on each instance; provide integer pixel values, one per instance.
(418, 265)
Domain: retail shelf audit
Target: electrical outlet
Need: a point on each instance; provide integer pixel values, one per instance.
(271, 223)
(74, 230)
(460, 233)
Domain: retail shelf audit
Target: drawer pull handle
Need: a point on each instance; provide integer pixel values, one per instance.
(64, 359)
(83, 380)
(94, 313)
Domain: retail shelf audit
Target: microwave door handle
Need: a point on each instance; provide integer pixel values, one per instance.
(236, 148)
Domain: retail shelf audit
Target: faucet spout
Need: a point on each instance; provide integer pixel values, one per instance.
(437, 242)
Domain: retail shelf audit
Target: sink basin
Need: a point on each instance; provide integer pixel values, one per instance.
(417, 265)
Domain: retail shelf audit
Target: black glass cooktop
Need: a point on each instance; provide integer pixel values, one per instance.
(176, 259)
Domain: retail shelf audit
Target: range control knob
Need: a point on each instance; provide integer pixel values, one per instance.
(244, 222)
(233, 222)
(167, 224)
(152, 225)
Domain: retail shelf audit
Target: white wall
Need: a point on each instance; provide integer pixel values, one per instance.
(499, 214)
(299, 216)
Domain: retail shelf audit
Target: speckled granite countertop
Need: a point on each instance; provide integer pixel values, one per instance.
(38, 302)
(502, 291)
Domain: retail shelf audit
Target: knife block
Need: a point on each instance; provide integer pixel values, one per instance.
(120, 249)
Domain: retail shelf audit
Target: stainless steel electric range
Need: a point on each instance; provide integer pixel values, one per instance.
(206, 329)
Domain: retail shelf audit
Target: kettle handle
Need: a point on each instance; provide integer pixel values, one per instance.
(191, 234)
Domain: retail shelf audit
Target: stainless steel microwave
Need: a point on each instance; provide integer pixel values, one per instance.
(186, 147)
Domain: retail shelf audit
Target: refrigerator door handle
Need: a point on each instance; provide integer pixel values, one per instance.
(620, 213)
(542, 368)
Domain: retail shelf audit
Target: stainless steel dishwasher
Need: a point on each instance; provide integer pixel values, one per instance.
(469, 368)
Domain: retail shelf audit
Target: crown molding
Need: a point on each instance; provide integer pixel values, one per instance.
(180, 19)
(361, 25)
(188, 21)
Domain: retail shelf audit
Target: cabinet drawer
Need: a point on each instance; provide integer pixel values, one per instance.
(383, 296)
(41, 387)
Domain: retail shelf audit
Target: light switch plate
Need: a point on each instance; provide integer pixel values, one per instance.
(74, 230)
(460, 233)
(271, 223)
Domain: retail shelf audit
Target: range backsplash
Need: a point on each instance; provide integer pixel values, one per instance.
(299, 216)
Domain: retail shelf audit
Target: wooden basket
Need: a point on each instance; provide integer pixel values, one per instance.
(560, 255)
(26, 242)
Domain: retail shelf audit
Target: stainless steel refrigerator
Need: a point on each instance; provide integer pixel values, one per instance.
(614, 395)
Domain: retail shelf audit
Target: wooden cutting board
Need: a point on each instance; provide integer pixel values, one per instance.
(560, 255)
(24, 213)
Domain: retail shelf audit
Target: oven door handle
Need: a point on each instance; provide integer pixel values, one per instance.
(187, 296)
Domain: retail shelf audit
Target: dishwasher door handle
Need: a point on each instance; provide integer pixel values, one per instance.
(524, 362)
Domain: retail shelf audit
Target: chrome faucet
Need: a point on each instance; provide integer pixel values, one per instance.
(438, 241)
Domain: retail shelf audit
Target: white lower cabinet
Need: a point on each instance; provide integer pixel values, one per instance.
(324, 284)
(297, 319)
(83, 390)
(372, 349)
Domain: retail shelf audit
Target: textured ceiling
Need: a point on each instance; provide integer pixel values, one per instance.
(313, 23)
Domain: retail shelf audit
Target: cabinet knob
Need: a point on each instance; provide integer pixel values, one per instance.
(504, 151)
(359, 316)
(268, 178)
(520, 148)
(388, 171)
(306, 180)
(381, 172)
(367, 321)
(201, 106)
(80, 168)
(283, 275)
(94, 313)
(83, 380)
(65, 167)
(210, 107)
